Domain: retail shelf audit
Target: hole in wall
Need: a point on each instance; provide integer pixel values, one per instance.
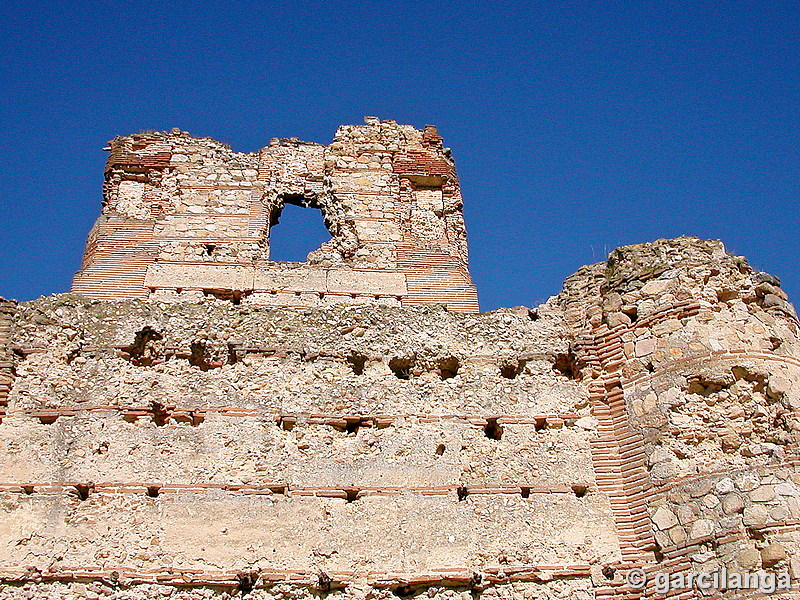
(511, 369)
(28, 489)
(474, 582)
(352, 494)
(352, 426)
(565, 363)
(247, 581)
(492, 430)
(232, 296)
(160, 414)
(448, 367)
(658, 554)
(727, 295)
(608, 572)
(324, 582)
(153, 491)
(233, 356)
(540, 424)
(82, 490)
(401, 367)
(296, 229)
(440, 449)
(143, 352)
(287, 423)
(357, 362)
(631, 311)
(462, 493)
(403, 591)
(48, 419)
(533, 314)
(200, 356)
(579, 489)
(208, 249)
(525, 492)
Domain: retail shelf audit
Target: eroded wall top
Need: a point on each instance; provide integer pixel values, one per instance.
(185, 217)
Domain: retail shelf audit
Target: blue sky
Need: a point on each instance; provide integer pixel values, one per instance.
(576, 126)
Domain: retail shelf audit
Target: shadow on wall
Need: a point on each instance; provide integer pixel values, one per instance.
(300, 230)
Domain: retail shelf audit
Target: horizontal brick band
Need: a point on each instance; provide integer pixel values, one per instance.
(87, 488)
(449, 577)
(336, 420)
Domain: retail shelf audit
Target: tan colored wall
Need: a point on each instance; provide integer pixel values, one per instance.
(185, 215)
(648, 416)
(691, 360)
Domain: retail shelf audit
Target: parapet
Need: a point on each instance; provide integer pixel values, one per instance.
(187, 217)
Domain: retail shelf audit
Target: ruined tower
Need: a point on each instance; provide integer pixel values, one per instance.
(185, 217)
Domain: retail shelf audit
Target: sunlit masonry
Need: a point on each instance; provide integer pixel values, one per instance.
(196, 420)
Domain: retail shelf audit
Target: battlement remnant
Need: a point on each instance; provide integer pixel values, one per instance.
(187, 217)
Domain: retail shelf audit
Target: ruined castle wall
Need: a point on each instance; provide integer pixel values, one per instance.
(646, 417)
(187, 217)
(691, 359)
(374, 445)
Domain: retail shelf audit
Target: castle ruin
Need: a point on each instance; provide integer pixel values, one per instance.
(216, 426)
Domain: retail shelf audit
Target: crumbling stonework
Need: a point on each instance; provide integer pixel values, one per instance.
(185, 217)
(648, 416)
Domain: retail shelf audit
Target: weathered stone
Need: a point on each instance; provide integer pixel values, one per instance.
(755, 515)
(778, 386)
(664, 518)
(645, 347)
(618, 318)
(663, 470)
(587, 423)
(687, 513)
(778, 514)
(732, 504)
(749, 559)
(700, 488)
(702, 528)
(656, 287)
(747, 481)
(765, 493)
(677, 534)
(725, 486)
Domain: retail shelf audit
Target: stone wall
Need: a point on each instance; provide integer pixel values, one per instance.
(648, 416)
(185, 217)
(691, 359)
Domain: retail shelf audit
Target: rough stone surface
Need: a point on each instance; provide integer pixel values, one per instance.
(213, 450)
(772, 555)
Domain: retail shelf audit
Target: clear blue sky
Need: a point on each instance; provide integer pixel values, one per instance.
(576, 126)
